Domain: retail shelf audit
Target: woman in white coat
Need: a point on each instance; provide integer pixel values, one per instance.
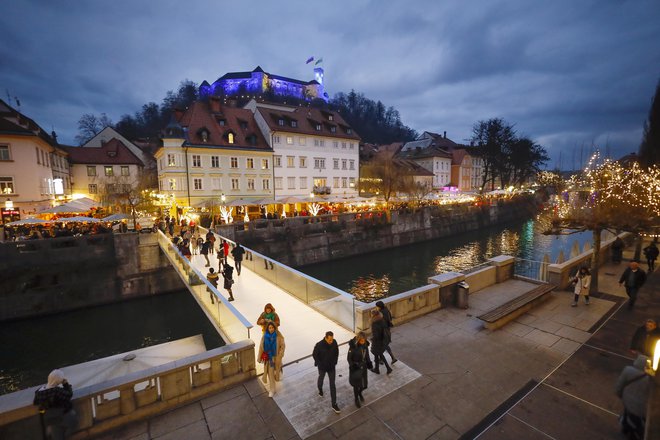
(582, 282)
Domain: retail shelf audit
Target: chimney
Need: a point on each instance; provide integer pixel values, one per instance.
(444, 134)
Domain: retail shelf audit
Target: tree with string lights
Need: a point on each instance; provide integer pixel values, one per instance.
(609, 196)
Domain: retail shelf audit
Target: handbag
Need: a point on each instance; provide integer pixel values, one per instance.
(264, 356)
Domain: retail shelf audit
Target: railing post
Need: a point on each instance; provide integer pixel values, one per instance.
(127, 400)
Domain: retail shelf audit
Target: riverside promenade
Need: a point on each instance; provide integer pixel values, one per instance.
(550, 374)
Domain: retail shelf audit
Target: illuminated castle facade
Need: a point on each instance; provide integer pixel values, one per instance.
(261, 84)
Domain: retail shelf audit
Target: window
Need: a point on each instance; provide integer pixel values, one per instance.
(234, 162)
(294, 124)
(235, 184)
(335, 164)
(38, 157)
(196, 160)
(352, 146)
(303, 162)
(302, 141)
(289, 140)
(230, 138)
(250, 163)
(322, 143)
(333, 129)
(250, 184)
(351, 182)
(111, 188)
(278, 183)
(316, 142)
(222, 122)
(264, 164)
(197, 184)
(91, 170)
(265, 184)
(317, 127)
(344, 182)
(335, 144)
(290, 161)
(343, 164)
(320, 182)
(4, 152)
(280, 122)
(319, 163)
(349, 130)
(335, 182)
(277, 160)
(343, 145)
(352, 164)
(276, 139)
(303, 183)
(217, 183)
(291, 182)
(171, 160)
(215, 162)
(7, 185)
(330, 118)
(125, 171)
(109, 171)
(172, 184)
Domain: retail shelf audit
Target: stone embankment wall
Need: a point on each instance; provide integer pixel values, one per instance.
(306, 240)
(41, 277)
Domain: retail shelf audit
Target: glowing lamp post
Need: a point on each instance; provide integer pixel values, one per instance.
(9, 204)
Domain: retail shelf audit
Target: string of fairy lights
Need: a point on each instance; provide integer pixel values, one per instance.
(610, 185)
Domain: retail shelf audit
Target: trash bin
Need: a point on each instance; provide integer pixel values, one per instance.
(462, 292)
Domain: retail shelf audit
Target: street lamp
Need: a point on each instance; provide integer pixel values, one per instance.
(9, 204)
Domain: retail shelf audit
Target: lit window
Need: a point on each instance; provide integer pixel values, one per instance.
(125, 171)
(234, 184)
(289, 140)
(171, 160)
(291, 182)
(302, 141)
(197, 184)
(317, 127)
(91, 170)
(230, 138)
(234, 162)
(196, 160)
(290, 161)
(330, 118)
(264, 164)
(109, 171)
(333, 129)
(303, 162)
(280, 122)
(215, 162)
(294, 124)
(351, 182)
(92, 188)
(4, 152)
(250, 163)
(172, 184)
(7, 185)
(250, 184)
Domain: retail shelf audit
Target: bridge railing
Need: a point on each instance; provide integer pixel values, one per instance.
(331, 302)
(535, 270)
(230, 322)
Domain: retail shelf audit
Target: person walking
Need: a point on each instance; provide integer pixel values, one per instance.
(225, 250)
(195, 244)
(326, 354)
(228, 275)
(632, 278)
(633, 388)
(204, 251)
(358, 364)
(582, 282)
(271, 352)
(387, 316)
(617, 250)
(380, 338)
(237, 254)
(651, 253)
(645, 338)
(212, 277)
(210, 237)
(267, 316)
(55, 407)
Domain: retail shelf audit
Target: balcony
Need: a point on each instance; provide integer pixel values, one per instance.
(320, 190)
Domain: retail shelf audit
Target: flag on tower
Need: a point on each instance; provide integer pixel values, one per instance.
(319, 61)
(309, 60)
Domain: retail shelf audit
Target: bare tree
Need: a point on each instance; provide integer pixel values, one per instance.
(89, 125)
(382, 176)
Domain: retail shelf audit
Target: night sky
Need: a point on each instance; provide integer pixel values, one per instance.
(566, 73)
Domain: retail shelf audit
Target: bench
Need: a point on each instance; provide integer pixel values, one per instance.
(499, 316)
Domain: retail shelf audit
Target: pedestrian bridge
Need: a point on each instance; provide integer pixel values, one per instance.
(307, 307)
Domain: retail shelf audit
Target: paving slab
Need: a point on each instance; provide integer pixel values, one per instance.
(509, 427)
(195, 431)
(175, 419)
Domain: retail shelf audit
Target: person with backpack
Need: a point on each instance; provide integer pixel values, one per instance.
(227, 274)
(237, 253)
(387, 316)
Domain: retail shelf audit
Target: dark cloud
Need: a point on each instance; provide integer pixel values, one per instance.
(566, 73)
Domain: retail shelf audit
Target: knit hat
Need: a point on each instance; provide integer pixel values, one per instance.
(55, 378)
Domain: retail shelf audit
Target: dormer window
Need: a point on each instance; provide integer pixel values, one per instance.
(243, 125)
(230, 138)
(330, 118)
(280, 122)
(333, 129)
(203, 134)
(112, 153)
(294, 124)
(349, 130)
(318, 127)
(222, 122)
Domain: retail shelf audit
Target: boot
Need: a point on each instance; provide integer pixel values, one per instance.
(586, 300)
(376, 370)
(357, 403)
(361, 397)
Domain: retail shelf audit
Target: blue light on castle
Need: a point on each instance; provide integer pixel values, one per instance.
(258, 82)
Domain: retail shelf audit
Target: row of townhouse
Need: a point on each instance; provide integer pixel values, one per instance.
(258, 151)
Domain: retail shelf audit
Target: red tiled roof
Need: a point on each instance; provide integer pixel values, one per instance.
(113, 152)
(210, 115)
(306, 120)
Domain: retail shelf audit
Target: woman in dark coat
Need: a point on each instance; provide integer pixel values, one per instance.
(228, 275)
(358, 364)
(380, 339)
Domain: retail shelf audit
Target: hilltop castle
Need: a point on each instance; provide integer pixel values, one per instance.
(259, 83)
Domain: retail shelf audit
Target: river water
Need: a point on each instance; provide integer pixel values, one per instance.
(31, 348)
(372, 276)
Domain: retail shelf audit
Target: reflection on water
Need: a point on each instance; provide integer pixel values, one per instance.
(379, 274)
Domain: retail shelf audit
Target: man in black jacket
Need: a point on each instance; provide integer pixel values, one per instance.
(326, 354)
(645, 337)
(633, 278)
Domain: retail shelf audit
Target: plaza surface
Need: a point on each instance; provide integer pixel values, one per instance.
(549, 374)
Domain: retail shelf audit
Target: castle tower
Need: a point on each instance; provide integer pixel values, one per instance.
(318, 76)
